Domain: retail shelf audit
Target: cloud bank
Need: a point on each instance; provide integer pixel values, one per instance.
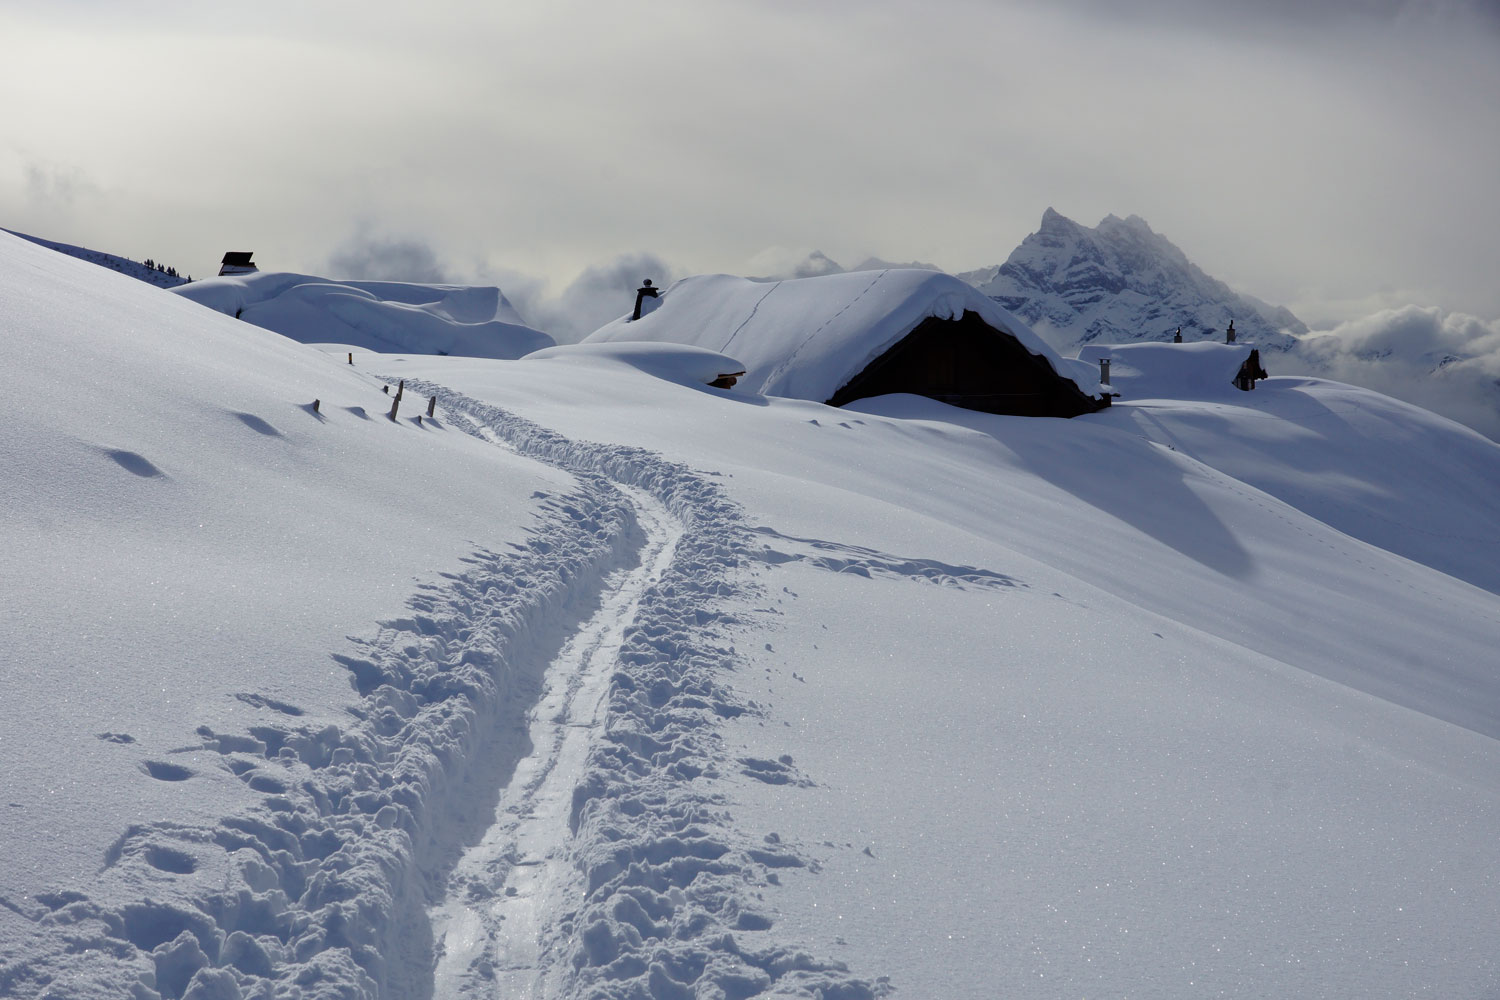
(1314, 152)
(1443, 361)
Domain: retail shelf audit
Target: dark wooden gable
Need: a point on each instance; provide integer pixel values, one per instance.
(968, 363)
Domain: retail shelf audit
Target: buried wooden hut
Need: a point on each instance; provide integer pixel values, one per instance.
(237, 262)
(837, 338)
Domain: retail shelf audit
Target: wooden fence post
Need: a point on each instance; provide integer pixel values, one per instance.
(431, 405)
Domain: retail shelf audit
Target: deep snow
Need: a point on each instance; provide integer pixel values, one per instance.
(895, 698)
(473, 321)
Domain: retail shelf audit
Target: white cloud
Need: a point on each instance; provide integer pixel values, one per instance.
(598, 295)
(373, 258)
(1317, 160)
(1444, 361)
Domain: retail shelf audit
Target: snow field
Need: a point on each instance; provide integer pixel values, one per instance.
(895, 697)
(320, 883)
(188, 544)
(1100, 712)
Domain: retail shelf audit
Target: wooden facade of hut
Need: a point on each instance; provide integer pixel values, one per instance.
(966, 362)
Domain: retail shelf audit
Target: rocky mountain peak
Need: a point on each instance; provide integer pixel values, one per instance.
(1122, 282)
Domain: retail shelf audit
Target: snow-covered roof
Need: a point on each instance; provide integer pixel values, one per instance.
(384, 316)
(1171, 371)
(805, 338)
(682, 363)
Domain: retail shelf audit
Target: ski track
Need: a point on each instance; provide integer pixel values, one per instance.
(490, 926)
(575, 760)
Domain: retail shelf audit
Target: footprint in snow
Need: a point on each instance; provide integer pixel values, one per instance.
(256, 424)
(162, 771)
(262, 701)
(134, 463)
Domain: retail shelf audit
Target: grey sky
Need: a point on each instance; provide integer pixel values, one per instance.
(1331, 157)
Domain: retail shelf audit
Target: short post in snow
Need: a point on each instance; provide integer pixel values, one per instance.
(394, 404)
(351, 357)
(1229, 333)
(1104, 371)
(431, 405)
(317, 403)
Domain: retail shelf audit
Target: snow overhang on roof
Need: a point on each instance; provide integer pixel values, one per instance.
(805, 338)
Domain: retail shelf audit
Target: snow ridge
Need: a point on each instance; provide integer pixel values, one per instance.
(157, 276)
(668, 891)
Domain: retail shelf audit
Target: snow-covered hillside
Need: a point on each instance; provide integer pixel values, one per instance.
(159, 276)
(472, 321)
(1120, 282)
(606, 683)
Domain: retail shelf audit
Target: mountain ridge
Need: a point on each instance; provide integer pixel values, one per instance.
(1122, 282)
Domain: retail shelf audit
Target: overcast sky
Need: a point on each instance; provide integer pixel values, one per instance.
(1329, 156)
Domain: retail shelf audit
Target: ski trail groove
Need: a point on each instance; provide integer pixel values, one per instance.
(489, 942)
(668, 898)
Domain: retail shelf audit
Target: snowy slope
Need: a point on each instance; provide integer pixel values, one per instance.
(805, 338)
(1120, 282)
(679, 691)
(189, 550)
(1314, 444)
(130, 268)
(472, 321)
(1044, 706)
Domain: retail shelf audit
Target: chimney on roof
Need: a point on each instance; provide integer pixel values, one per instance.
(641, 294)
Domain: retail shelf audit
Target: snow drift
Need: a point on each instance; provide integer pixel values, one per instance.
(386, 316)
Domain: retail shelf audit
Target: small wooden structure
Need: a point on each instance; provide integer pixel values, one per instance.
(238, 262)
(968, 363)
(1250, 372)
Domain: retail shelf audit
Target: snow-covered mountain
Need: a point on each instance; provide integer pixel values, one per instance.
(1120, 283)
(146, 271)
(602, 682)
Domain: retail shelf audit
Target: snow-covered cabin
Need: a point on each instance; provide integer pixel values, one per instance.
(237, 262)
(1198, 370)
(841, 337)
